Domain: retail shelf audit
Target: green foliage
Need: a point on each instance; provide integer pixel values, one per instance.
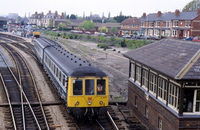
(113, 30)
(112, 38)
(73, 16)
(87, 25)
(102, 39)
(192, 6)
(103, 29)
(103, 45)
(62, 27)
(112, 21)
(120, 18)
(123, 43)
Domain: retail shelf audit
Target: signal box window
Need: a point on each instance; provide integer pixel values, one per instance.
(77, 87)
(101, 87)
(89, 87)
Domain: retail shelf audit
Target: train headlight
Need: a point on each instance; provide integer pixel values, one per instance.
(101, 102)
(89, 103)
(77, 103)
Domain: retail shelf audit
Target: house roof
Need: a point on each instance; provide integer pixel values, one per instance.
(187, 15)
(131, 21)
(176, 59)
(107, 25)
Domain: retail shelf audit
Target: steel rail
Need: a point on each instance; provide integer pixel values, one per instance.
(100, 125)
(20, 82)
(114, 125)
(10, 106)
(22, 92)
(36, 89)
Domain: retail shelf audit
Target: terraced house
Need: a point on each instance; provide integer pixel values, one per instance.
(171, 24)
(130, 26)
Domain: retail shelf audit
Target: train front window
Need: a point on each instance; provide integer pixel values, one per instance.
(77, 87)
(101, 87)
(89, 87)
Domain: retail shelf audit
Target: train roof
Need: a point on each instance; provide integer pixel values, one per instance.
(70, 63)
(43, 42)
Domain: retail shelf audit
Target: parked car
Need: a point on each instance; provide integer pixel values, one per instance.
(102, 34)
(87, 32)
(136, 37)
(196, 39)
(154, 38)
(188, 38)
(144, 37)
(126, 36)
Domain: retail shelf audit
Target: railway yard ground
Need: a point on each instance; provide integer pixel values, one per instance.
(111, 61)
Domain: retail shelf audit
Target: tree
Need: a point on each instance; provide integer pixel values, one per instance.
(112, 21)
(113, 30)
(109, 15)
(62, 27)
(87, 25)
(192, 6)
(73, 16)
(121, 18)
(103, 29)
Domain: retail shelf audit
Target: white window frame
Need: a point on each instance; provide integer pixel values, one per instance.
(138, 74)
(145, 78)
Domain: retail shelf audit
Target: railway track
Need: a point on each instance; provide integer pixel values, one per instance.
(111, 122)
(21, 89)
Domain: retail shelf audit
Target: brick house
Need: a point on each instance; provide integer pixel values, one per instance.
(130, 26)
(48, 20)
(171, 24)
(164, 85)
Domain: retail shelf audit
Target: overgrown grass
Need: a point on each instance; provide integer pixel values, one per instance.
(103, 42)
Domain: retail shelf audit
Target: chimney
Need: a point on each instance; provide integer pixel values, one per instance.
(62, 15)
(56, 15)
(159, 14)
(198, 11)
(35, 13)
(49, 11)
(177, 12)
(144, 15)
(42, 15)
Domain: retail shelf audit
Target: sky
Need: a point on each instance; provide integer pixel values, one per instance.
(134, 8)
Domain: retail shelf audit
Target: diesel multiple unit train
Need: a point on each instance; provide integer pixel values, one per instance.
(83, 87)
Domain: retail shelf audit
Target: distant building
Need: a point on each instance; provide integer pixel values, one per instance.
(171, 24)
(3, 22)
(48, 20)
(130, 26)
(13, 15)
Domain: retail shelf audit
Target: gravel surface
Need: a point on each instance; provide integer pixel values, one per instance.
(111, 62)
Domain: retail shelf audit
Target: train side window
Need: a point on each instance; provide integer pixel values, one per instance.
(56, 72)
(63, 81)
(89, 87)
(101, 86)
(54, 69)
(77, 87)
(60, 76)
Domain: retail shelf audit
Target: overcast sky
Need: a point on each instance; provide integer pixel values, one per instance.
(77, 7)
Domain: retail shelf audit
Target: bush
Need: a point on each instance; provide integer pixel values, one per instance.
(88, 37)
(103, 45)
(114, 49)
(123, 43)
(112, 38)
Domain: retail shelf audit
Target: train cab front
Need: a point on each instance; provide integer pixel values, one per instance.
(88, 96)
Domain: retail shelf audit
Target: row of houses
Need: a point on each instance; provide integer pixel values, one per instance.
(170, 24)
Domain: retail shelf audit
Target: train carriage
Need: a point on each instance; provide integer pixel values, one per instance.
(83, 87)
